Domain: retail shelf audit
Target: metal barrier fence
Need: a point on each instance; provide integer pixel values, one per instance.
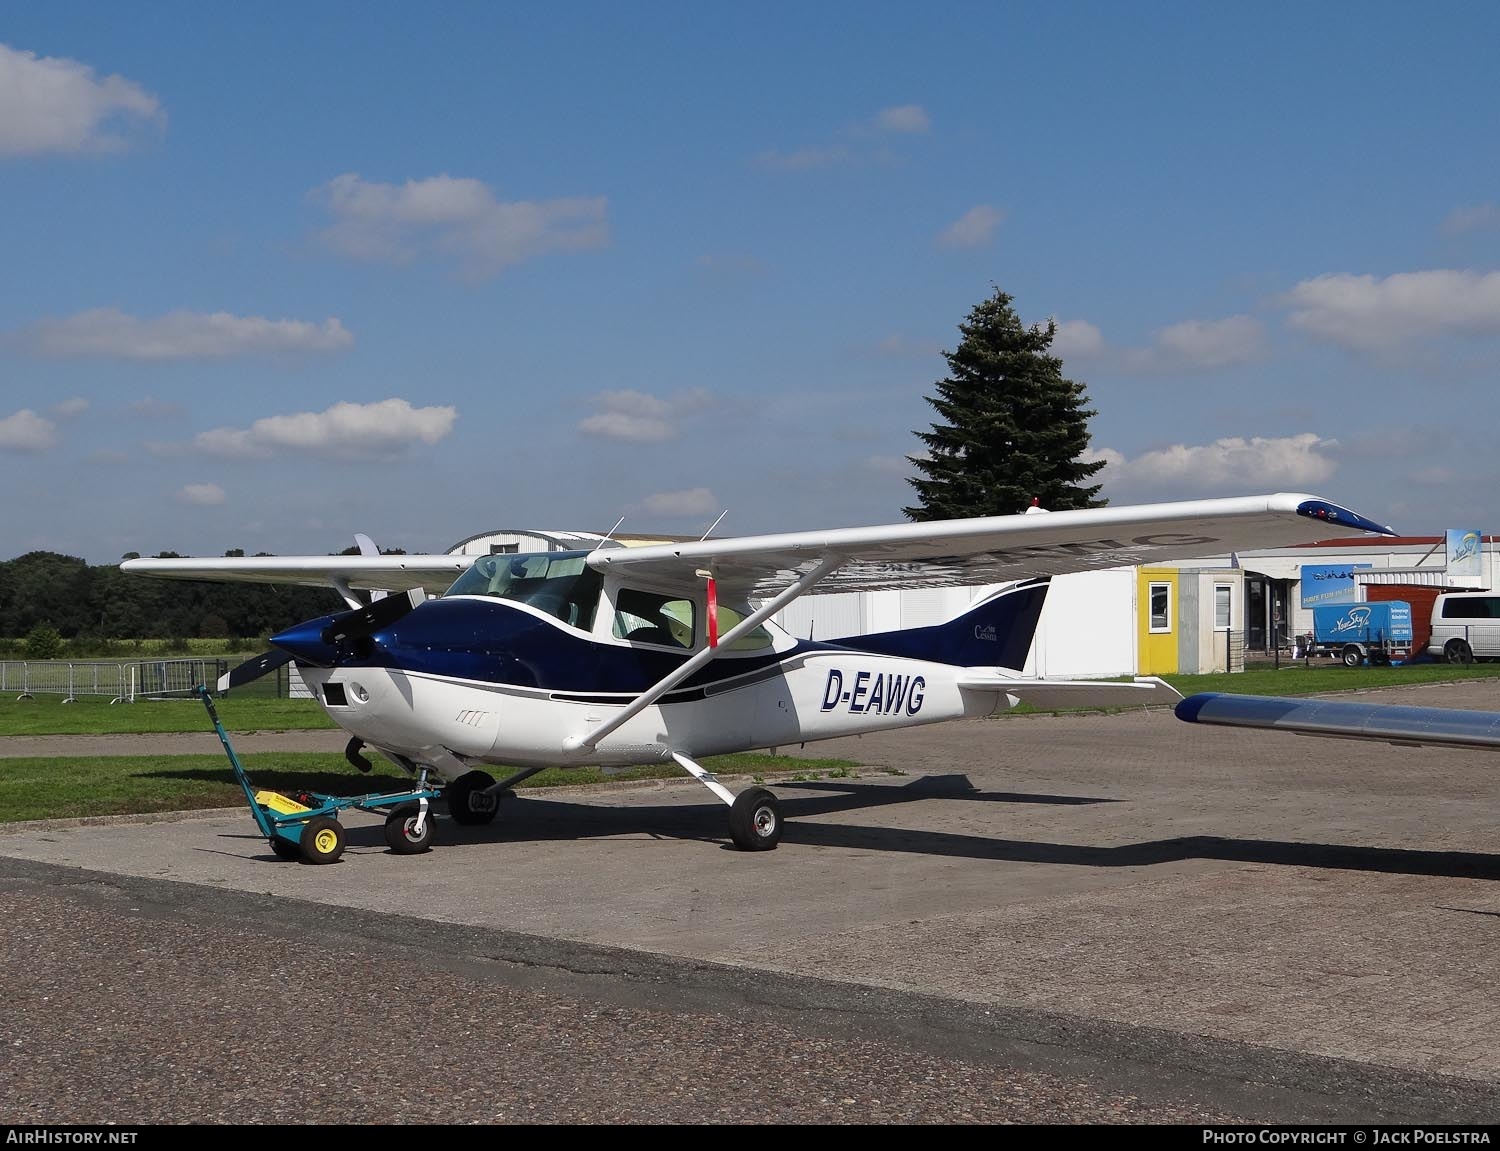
(121, 682)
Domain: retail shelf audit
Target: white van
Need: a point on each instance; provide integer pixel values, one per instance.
(1465, 626)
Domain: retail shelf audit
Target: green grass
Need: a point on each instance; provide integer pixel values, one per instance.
(62, 787)
(92, 715)
(1301, 679)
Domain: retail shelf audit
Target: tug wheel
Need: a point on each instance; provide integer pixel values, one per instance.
(285, 848)
(466, 805)
(755, 821)
(400, 830)
(322, 840)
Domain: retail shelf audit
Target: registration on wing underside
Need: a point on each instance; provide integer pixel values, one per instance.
(1000, 564)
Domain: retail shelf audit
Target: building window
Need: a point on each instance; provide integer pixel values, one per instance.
(1221, 607)
(1161, 607)
(504, 549)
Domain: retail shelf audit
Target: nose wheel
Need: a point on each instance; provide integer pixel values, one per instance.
(470, 800)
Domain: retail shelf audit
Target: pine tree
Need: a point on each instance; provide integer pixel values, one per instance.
(1013, 428)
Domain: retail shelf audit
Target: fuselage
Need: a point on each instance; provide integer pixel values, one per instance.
(469, 680)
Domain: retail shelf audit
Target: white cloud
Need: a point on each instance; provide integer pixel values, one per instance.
(634, 417)
(344, 431)
(692, 502)
(889, 465)
(904, 118)
(459, 219)
(1232, 462)
(1363, 313)
(865, 148)
(805, 159)
(1193, 345)
(1472, 218)
(898, 346)
(53, 104)
(150, 408)
(70, 409)
(1201, 344)
(1435, 476)
(974, 229)
(201, 495)
(1077, 339)
(111, 334)
(25, 431)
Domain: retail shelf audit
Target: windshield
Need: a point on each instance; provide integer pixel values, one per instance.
(558, 583)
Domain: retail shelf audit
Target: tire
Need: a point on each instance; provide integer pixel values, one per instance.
(285, 848)
(1458, 651)
(399, 834)
(462, 799)
(755, 821)
(1352, 656)
(322, 840)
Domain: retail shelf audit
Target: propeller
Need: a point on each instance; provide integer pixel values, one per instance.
(324, 640)
(253, 669)
(362, 622)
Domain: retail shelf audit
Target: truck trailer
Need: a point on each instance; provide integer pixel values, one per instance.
(1356, 632)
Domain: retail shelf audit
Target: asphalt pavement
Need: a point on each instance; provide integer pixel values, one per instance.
(1085, 918)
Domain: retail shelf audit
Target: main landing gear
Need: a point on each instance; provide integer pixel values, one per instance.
(755, 821)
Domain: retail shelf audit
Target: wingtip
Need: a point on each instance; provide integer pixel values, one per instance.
(1319, 509)
(1187, 710)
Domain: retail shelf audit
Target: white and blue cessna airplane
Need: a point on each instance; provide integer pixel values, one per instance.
(654, 654)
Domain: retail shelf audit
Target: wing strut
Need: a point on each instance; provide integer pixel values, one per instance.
(641, 702)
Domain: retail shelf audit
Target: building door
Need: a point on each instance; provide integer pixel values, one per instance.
(1257, 613)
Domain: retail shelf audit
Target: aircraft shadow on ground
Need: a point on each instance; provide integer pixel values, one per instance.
(537, 817)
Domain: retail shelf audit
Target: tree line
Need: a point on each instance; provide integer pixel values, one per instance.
(45, 591)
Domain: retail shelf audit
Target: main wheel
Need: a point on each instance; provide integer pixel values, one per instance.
(322, 840)
(285, 848)
(755, 820)
(466, 803)
(1353, 657)
(1458, 651)
(400, 830)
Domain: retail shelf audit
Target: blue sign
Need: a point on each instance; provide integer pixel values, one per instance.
(1329, 583)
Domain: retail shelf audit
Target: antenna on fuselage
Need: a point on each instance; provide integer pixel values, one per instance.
(713, 525)
(607, 534)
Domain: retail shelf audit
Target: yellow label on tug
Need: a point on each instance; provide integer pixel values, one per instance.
(278, 803)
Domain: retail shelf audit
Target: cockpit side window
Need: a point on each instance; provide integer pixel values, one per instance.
(648, 617)
(756, 639)
(559, 583)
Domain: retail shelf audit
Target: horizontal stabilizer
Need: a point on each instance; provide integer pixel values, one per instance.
(1389, 723)
(1052, 694)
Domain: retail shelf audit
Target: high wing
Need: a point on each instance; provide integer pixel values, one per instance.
(432, 573)
(997, 549)
(1388, 723)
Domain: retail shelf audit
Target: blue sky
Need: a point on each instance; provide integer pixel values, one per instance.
(274, 274)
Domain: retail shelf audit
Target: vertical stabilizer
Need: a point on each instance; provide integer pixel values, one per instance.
(995, 632)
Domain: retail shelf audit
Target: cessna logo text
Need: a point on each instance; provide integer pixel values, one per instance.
(875, 693)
